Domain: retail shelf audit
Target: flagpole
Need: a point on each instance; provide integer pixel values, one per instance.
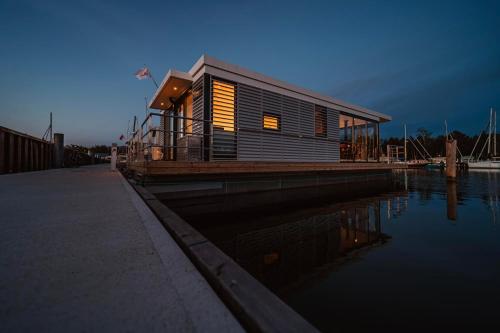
(151, 76)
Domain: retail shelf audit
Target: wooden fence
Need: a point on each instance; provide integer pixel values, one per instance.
(21, 152)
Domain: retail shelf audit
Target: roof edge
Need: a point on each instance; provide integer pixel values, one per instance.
(236, 69)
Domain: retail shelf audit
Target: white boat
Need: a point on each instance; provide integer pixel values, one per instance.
(494, 161)
(493, 164)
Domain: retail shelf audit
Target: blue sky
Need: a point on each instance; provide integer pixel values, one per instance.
(420, 61)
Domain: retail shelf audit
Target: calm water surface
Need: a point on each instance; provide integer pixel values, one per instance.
(417, 253)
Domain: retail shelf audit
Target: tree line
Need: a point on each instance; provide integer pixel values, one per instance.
(435, 145)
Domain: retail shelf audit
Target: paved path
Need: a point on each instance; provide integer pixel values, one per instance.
(80, 251)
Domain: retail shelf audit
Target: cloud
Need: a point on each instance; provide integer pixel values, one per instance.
(428, 93)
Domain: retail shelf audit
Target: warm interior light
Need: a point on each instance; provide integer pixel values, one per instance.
(271, 122)
(175, 88)
(162, 103)
(223, 105)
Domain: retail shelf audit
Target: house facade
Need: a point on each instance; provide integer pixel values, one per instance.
(219, 111)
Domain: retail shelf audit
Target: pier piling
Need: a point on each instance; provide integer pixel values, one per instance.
(451, 159)
(58, 150)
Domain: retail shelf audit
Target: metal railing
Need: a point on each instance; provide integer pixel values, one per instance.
(172, 137)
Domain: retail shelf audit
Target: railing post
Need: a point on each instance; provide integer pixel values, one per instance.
(165, 152)
(114, 150)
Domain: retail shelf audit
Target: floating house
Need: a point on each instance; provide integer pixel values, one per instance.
(222, 112)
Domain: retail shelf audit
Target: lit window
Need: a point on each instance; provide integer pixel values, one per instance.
(271, 121)
(320, 120)
(223, 106)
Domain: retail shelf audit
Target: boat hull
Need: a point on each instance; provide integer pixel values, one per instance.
(485, 165)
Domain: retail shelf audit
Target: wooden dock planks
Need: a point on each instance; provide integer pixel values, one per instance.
(240, 167)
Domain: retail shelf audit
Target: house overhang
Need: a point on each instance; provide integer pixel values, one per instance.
(172, 87)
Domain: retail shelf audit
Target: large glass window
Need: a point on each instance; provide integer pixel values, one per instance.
(360, 151)
(358, 138)
(345, 137)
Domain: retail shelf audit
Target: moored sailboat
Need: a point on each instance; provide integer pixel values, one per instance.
(492, 161)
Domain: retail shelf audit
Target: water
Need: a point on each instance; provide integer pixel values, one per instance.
(417, 253)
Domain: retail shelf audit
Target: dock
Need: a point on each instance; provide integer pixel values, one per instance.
(80, 251)
(176, 168)
(86, 249)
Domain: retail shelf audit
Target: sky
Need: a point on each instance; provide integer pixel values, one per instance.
(422, 62)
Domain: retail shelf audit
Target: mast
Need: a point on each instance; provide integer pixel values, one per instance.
(495, 133)
(405, 143)
(489, 132)
(50, 126)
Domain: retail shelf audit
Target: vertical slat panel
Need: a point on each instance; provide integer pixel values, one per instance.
(11, 153)
(36, 156)
(32, 156)
(333, 124)
(3, 152)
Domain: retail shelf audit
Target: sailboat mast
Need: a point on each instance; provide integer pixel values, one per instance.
(405, 143)
(495, 133)
(489, 132)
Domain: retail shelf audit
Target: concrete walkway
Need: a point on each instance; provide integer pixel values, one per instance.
(80, 251)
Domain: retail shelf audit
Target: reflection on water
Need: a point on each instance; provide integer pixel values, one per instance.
(419, 252)
(284, 255)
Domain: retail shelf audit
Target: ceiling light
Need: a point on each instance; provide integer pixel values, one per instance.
(175, 88)
(162, 103)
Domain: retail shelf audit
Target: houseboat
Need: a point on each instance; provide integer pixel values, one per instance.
(222, 112)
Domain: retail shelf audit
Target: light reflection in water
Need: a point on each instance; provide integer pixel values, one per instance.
(422, 250)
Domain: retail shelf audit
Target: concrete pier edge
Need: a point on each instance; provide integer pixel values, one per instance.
(257, 308)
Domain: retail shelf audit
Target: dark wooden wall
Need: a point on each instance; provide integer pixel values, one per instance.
(21, 152)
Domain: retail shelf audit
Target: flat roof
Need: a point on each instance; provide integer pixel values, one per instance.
(174, 84)
(216, 67)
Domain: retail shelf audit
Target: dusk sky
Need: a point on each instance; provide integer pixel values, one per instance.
(420, 61)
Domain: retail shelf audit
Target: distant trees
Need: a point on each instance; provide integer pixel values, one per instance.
(423, 134)
(101, 149)
(435, 145)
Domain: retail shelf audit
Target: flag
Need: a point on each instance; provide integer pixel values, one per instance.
(142, 73)
(122, 137)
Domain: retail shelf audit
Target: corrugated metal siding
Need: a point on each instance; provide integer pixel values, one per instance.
(296, 140)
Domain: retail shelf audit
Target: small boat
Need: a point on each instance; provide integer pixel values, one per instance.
(417, 163)
(440, 165)
(493, 162)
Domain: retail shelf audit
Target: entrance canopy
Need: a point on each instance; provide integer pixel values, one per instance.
(172, 87)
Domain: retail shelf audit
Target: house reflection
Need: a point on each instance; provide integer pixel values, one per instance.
(451, 199)
(293, 247)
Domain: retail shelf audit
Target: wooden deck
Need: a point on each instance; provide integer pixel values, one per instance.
(161, 168)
